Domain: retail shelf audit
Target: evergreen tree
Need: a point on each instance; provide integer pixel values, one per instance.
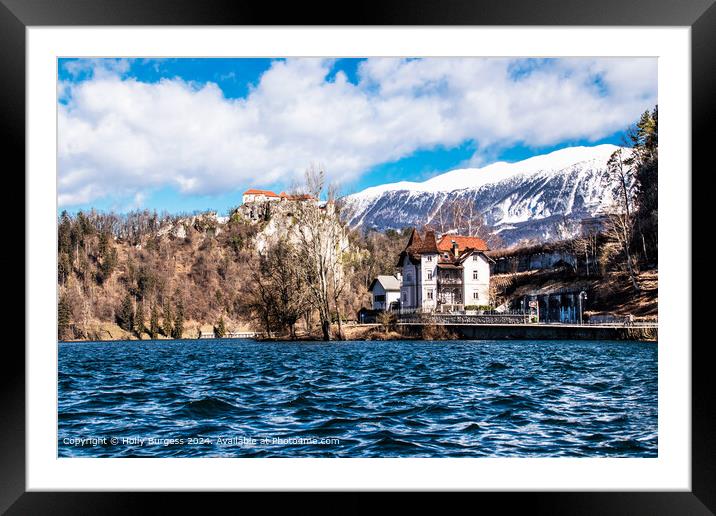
(125, 317)
(220, 328)
(103, 244)
(167, 320)
(178, 329)
(645, 141)
(139, 319)
(64, 268)
(154, 323)
(64, 315)
(64, 241)
(108, 258)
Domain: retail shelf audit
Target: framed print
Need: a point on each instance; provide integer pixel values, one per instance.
(410, 249)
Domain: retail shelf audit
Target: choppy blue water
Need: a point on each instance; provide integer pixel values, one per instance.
(240, 398)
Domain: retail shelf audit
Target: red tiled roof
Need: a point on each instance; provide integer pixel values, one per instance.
(463, 242)
(267, 193)
(282, 195)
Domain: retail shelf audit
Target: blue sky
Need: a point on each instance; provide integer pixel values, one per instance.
(182, 135)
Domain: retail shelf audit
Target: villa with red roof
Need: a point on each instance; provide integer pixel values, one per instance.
(444, 274)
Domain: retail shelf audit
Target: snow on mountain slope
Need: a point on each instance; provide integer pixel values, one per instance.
(519, 200)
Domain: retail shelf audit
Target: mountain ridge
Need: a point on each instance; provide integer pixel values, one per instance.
(519, 201)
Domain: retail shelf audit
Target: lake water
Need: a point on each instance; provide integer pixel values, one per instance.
(240, 398)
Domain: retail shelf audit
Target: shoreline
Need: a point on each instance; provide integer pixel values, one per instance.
(454, 332)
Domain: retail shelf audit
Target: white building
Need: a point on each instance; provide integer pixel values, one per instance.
(385, 290)
(446, 274)
(257, 196)
(252, 195)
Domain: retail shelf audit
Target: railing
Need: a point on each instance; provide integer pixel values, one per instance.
(483, 318)
(408, 311)
(623, 323)
(461, 311)
(425, 316)
(229, 335)
(449, 281)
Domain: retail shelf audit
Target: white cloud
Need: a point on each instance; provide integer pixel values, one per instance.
(96, 67)
(120, 137)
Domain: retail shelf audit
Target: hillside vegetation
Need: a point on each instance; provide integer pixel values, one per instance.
(142, 275)
(163, 270)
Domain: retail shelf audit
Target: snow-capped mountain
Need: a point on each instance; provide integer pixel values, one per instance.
(521, 200)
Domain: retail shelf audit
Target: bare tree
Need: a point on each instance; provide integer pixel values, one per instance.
(440, 218)
(474, 220)
(580, 247)
(462, 216)
(276, 294)
(457, 209)
(321, 244)
(620, 220)
(281, 265)
(258, 298)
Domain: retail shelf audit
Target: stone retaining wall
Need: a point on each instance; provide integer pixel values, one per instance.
(535, 332)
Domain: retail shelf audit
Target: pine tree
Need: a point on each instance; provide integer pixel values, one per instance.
(220, 328)
(154, 323)
(64, 315)
(167, 320)
(64, 268)
(109, 261)
(125, 317)
(645, 140)
(178, 329)
(103, 244)
(139, 319)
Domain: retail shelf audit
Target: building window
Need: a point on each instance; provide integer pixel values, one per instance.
(430, 294)
(380, 298)
(474, 274)
(475, 295)
(409, 277)
(474, 257)
(430, 275)
(429, 258)
(405, 297)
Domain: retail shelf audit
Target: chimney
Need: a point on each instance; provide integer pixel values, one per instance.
(455, 252)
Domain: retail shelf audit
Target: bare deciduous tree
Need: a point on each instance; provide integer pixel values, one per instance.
(276, 294)
(321, 245)
(462, 216)
(620, 222)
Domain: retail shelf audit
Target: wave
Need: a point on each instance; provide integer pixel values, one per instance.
(497, 366)
(206, 408)
(400, 399)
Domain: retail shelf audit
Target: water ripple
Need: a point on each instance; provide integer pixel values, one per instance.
(239, 398)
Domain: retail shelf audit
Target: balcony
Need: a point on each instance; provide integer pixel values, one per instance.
(449, 280)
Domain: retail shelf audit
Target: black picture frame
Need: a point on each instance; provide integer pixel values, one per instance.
(700, 15)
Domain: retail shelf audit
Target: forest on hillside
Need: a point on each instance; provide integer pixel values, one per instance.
(166, 276)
